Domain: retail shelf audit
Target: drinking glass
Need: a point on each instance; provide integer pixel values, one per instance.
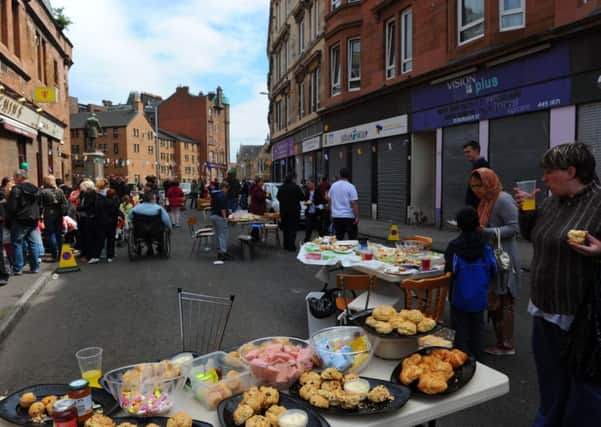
(90, 364)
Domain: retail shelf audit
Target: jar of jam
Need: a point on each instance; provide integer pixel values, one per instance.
(80, 392)
(64, 413)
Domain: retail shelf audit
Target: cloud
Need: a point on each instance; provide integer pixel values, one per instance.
(154, 46)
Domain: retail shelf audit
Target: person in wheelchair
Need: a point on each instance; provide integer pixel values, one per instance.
(146, 224)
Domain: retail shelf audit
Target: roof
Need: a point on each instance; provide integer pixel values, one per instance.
(116, 118)
(165, 134)
(249, 152)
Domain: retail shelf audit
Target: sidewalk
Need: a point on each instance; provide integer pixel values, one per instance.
(15, 296)
(378, 230)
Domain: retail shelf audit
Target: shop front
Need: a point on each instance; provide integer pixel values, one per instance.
(310, 148)
(282, 153)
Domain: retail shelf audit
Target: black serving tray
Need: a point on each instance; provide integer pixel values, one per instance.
(359, 320)
(160, 421)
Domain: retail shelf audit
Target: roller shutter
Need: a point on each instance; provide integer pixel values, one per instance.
(337, 159)
(393, 175)
(455, 168)
(589, 129)
(362, 176)
(516, 145)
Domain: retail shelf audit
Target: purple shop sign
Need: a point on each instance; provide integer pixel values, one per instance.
(542, 96)
(283, 149)
(538, 67)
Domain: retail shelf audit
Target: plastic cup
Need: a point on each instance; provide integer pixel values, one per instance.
(426, 265)
(90, 364)
(528, 187)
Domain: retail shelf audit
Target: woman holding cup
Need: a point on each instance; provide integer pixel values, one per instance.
(562, 273)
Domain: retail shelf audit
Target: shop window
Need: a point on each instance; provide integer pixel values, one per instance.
(390, 49)
(407, 41)
(354, 64)
(470, 20)
(512, 14)
(335, 70)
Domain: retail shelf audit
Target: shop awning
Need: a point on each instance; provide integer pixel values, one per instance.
(16, 127)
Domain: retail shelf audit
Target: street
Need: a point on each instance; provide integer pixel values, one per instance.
(130, 309)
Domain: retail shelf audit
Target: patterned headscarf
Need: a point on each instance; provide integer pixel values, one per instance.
(491, 187)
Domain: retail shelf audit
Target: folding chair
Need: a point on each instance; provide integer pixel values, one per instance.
(353, 282)
(427, 295)
(204, 234)
(202, 320)
(425, 240)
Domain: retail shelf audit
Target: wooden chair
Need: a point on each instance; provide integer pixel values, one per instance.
(425, 240)
(353, 282)
(427, 295)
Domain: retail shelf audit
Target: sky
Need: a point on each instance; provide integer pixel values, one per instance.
(156, 45)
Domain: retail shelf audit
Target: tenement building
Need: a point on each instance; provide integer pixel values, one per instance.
(407, 83)
(35, 57)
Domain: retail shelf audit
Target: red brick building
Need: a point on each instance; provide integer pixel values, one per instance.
(34, 53)
(407, 83)
(202, 118)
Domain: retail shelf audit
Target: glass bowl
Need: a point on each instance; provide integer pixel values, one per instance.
(145, 389)
(346, 348)
(277, 361)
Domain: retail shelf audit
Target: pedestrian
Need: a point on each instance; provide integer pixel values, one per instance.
(194, 189)
(323, 212)
(245, 191)
(86, 219)
(106, 215)
(470, 258)
(290, 197)
(344, 206)
(64, 187)
(498, 211)
(258, 198)
(4, 274)
(150, 207)
(562, 275)
(315, 207)
(54, 207)
(219, 214)
(23, 213)
(471, 151)
(234, 190)
(176, 198)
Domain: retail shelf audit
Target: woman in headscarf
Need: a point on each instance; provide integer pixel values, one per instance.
(498, 210)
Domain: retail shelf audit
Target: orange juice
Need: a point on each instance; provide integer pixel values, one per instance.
(92, 376)
(529, 204)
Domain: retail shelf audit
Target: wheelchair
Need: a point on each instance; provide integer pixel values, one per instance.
(148, 230)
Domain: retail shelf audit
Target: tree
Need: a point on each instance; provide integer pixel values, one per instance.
(61, 19)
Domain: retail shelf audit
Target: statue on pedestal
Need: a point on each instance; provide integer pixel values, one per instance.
(93, 130)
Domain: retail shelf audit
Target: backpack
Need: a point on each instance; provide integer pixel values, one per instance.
(469, 292)
(28, 209)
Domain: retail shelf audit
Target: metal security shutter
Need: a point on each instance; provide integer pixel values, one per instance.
(455, 168)
(362, 176)
(392, 178)
(589, 129)
(337, 159)
(516, 145)
(308, 166)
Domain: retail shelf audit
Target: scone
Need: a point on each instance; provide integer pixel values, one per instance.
(319, 401)
(180, 419)
(331, 374)
(27, 400)
(415, 316)
(379, 394)
(99, 420)
(371, 321)
(242, 413)
(384, 313)
(37, 409)
(272, 396)
(311, 377)
(407, 328)
(273, 413)
(383, 327)
(426, 324)
(257, 421)
(577, 236)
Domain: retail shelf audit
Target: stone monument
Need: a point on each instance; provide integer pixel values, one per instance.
(93, 166)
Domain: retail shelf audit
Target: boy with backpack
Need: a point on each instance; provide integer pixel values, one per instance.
(471, 260)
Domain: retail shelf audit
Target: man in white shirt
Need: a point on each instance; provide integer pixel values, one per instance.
(344, 206)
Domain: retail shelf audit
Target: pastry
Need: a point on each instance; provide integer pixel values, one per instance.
(257, 421)
(441, 354)
(152, 425)
(319, 401)
(432, 383)
(49, 400)
(407, 328)
(371, 321)
(383, 327)
(180, 419)
(271, 396)
(404, 314)
(396, 321)
(383, 312)
(351, 377)
(99, 420)
(457, 358)
(445, 368)
(311, 377)
(331, 374)
(127, 425)
(242, 413)
(307, 391)
(426, 324)
(379, 394)
(351, 400)
(415, 316)
(273, 413)
(410, 373)
(331, 385)
(37, 409)
(27, 399)
(577, 236)
(334, 397)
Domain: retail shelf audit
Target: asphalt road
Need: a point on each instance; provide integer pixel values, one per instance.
(130, 309)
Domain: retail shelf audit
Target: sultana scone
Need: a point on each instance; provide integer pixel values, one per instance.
(257, 421)
(273, 413)
(27, 399)
(383, 327)
(99, 420)
(415, 316)
(254, 398)
(331, 385)
(426, 324)
(379, 394)
(351, 377)
(407, 328)
(37, 409)
(307, 391)
(242, 413)
(351, 400)
(319, 401)
(272, 396)
(334, 397)
(180, 419)
(384, 313)
(331, 374)
(126, 424)
(311, 377)
(152, 425)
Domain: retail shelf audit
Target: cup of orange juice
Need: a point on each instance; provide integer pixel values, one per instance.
(90, 364)
(528, 187)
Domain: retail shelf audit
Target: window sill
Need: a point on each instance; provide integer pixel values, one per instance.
(504, 30)
(465, 42)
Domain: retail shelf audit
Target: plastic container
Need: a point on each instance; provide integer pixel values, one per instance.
(217, 376)
(346, 348)
(277, 361)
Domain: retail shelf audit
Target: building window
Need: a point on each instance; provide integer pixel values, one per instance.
(335, 70)
(288, 109)
(407, 41)
(336, 4)
(301, 36)
(38, 49)
(301, 100)
(75, 149)
(470, 20)
(314, 90)
(512, 14)
(186, 158)
(150, 149)
(16, 29)
(354, 64)
(55, 71)
(315, 19)
(115, 132)
(3, 23)
(136, 148)
(44, 62)
(115, 148)
(390, 49)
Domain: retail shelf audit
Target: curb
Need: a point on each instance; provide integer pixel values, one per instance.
(20, 306)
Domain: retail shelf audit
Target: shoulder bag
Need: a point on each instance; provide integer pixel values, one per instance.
(499, 284)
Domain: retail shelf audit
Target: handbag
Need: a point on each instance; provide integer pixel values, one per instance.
(325, 305)
(500, 283)
(581, 351)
